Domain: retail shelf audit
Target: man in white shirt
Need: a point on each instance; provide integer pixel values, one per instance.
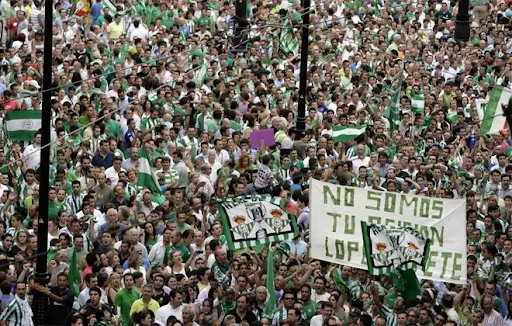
(157, 252)
(112, 172)
(31, 154)
(174, 308)
(91, 281)
(138, 31)
(360, 159)
(327, 310)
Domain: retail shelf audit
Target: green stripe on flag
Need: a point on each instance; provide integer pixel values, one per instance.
(147, 175)
(392, 112)
(74, 278)
(271, 303)
(21, 188)
(494, 121)
(111, 7)
(288, 41)
(418, 103)
(22, 125)
(344, 134)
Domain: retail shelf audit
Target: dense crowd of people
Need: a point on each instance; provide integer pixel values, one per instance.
(158, 79)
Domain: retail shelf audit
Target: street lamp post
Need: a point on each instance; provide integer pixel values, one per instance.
(462, 22)
(241, 29)
(303, 80)
(40, 302)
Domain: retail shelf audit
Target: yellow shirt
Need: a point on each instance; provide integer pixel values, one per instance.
(115, 30)
(139, 305)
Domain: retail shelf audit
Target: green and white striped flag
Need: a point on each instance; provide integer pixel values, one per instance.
(344, 134)
(392, 112)
(259, 220)
(288, 41)
(200, 74)
(22, 125)
(147, 175)
(418, 103)
(181, 38)
(494, 121)
(388, 249)
(111, 7)
(22, 187)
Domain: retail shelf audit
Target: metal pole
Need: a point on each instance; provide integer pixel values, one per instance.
(303, 81)
(40, 301)
(242, 23)
(462, 22)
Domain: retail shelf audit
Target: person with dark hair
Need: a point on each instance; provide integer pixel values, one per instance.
(143, 318)
(173, 309)
(325, 314)
(288, 299)
(6, 297)
(91, 281)
(241, 311)
(61, 299)
(126, 297)
(92, 309)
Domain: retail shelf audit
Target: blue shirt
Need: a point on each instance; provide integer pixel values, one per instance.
(145, 263)
(128, 137)
(106, 161)
(95, 11)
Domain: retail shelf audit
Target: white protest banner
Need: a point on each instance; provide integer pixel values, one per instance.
(336, 235)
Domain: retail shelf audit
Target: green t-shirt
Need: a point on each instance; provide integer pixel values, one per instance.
(309, 310)
(203, 21)
(54, 208)
(184, 228)
(235, 125)
(124, 300)
(185, 253)
(224, 307)
(113, 128)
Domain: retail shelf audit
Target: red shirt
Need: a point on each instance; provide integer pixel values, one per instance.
(13, 25)
(11, 105)
(87, 270)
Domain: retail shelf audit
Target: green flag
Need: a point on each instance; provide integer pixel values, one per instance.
(288, 41)
(181, 38)
(22, 125)
(52, 253)
(74, 278)
(392, 112)
(147, 175)
(271, 303)
(494, 120)
(22, 186)
(406, 283)
(345, 134)
(418, 103)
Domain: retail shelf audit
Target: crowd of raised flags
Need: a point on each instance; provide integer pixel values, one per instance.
(165, 208)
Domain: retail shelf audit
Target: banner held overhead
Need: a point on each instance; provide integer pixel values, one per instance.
(336, 234)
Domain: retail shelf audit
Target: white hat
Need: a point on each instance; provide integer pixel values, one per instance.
(34, 83)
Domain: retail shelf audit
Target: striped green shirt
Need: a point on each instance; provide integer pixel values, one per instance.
(17, 313)
(131, 190)
(390, 315)
(170, 176)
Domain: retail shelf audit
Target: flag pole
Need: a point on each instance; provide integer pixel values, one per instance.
(301, 114)
(40, 302)
(241, 28)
